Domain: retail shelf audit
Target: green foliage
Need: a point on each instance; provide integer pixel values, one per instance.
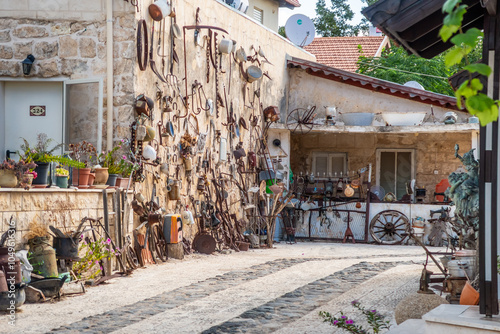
(476, 102)
(281, 31)
(375, 320)
(83, 152)
(396, 65)
(41, 151)
(334, 21)
(95, 251)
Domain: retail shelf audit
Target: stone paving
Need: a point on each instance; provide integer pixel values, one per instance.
(261, 292)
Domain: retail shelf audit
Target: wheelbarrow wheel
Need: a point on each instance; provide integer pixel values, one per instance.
(132, 260)
(297, 121)
(160, 243)
(389, 227)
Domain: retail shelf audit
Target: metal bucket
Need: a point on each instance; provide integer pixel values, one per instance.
(43, 257)
(66, 248)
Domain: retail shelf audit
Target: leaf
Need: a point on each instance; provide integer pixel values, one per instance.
(455, 18)
(453, 57)
(480, 68)
(476, 85)
(484, 107)
(447, 31)
(449, 5)
(468, 38)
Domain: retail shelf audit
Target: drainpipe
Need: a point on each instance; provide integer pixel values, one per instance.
(109, 74)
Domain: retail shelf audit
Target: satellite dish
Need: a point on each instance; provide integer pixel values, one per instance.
(299, 29)
(414, 84)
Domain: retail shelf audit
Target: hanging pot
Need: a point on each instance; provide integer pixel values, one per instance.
(150, 134)
(176, 31)
(272, 114)
(239, 153)
(253, 73)
(225, 46)
(175, 191)
(149, 153)
(241, 55)
(349, 192)
(159, 10)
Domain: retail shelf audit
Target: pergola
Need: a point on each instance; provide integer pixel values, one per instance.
(414, 24)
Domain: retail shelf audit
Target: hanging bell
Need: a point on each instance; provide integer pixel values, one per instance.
(188, 164)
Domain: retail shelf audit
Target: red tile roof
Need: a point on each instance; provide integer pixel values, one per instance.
(343, 52)
(374, 84)
(293, 2)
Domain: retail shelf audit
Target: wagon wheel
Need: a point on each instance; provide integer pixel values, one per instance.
(131, 257)
(160, 243)
(296, 121)
(389, 227)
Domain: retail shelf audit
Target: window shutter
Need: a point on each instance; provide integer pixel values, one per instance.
(258, 15)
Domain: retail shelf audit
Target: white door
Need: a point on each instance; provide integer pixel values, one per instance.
(32, 108)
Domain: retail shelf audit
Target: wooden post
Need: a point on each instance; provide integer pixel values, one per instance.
(488, 178)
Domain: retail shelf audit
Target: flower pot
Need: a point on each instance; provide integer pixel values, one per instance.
(122, 182)
(26, 181)
(42, 170)
(8, 179)
(101, 176)
(80, 177)
(112, 180)
(91, 179)
(66, 248)
(469, 295)
(62, 181)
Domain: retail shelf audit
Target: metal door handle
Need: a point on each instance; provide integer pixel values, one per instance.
(9, 152)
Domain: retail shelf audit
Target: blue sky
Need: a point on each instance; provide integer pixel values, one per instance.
(308, 8)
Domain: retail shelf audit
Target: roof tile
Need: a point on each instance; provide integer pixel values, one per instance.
(343, 52)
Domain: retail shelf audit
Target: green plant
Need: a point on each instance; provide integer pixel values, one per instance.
(469, 92)
(19, 168)
(40, 152)
(62, 172)
(375, 320)
(66, 161)
(83, 152)
(95, 251)
(126, 166)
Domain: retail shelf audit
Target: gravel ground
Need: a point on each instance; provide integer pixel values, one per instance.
(277, 290)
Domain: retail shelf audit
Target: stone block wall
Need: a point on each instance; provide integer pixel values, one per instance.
(63, 209)
(72, 47)
(433, 151)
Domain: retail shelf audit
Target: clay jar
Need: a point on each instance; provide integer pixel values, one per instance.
(101, 176)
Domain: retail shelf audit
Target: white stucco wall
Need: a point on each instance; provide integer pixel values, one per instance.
(270, 9)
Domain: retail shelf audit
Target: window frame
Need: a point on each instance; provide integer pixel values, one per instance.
(329, 156)
(379, 151)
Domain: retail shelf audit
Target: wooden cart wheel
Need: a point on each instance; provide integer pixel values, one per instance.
(296, 122)
(389, 227)
(131, 256)
(160, 243)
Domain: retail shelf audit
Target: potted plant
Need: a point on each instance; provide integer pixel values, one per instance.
(12, 174)
(126, 168)
(109, 161)
(62, 176)
(41, 155)
(83, 152)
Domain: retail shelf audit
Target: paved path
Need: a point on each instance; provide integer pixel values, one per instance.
(261, 291)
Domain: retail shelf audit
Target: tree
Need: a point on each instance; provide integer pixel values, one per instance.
(334, 21)
(396, 65)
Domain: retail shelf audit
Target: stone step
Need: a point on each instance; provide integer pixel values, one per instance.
(413, 326)
(459, 319)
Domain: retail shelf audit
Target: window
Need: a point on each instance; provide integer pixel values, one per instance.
(329, 164)
(258, 15)
(394, 169)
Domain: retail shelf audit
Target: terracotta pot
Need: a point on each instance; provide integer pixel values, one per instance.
(469, 295)
(8, 179)
(122, 182)
(91, 179)
(101, 176)
(80, 177)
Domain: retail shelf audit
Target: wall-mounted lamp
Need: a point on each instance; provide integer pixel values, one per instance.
(27, 64)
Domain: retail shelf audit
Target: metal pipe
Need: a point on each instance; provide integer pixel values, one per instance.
(109, 74)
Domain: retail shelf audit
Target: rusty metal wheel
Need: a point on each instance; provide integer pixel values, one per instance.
(389, 227)
(160, 243)
(299, 121)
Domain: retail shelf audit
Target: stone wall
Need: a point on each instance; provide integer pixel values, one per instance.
(63, 209)
(72, 47)
(433, 151)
